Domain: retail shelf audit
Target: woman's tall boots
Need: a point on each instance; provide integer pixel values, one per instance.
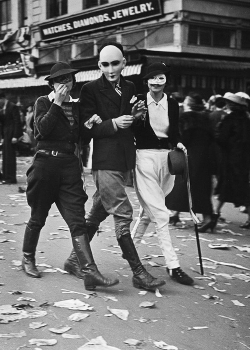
(71, 265)
(30, 241)
(141, 278)
(92, 276)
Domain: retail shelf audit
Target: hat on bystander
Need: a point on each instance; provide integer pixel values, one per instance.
(60, 68)
(235, 98)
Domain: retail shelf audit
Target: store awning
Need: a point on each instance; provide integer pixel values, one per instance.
(80, 77)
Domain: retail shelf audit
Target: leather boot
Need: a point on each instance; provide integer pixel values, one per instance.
(29, 265)
(92, 276)
(71, 265)
(29, 249)
(141, 278)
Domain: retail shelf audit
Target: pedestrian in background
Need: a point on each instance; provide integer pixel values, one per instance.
(55, 174)
(111, 98)
(233, 137)
(11, 131)
(155, 136)
(197, 136)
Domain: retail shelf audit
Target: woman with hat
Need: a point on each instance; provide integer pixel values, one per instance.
(55, 174)
(233, 138)
(155, 136)
(197, 135)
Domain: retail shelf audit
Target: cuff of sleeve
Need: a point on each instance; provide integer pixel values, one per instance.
(114, 124)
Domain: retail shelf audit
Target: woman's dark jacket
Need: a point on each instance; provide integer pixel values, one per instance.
(145, 137)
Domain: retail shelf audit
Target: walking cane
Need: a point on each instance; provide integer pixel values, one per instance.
(194, 217)
(137, 222)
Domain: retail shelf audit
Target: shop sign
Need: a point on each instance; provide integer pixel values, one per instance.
(114, 15)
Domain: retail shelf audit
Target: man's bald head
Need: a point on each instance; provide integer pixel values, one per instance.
(110, 53)
(111, 62)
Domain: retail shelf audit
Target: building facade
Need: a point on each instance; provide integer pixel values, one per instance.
(206, 42)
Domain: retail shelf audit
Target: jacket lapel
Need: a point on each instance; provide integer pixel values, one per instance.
(107, 90)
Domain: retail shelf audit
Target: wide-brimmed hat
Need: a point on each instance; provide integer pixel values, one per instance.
(177, 162)
(235, 98)
(243, 94)
(155, 69)
(60, 68)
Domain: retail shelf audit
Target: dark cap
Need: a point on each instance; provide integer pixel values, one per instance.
(60, 68)
(155, 69)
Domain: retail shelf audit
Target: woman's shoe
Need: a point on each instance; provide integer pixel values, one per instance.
(209, 225)
(174, 219)
(245, 225)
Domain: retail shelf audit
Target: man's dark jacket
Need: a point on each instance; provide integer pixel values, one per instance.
(116, 152)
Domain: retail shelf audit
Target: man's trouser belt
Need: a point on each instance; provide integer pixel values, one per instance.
(54, 153)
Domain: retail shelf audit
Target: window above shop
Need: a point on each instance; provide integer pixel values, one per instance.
(216, 37)
(135, 40)
(245, 39)
(56, 8)
(93, 3)
(105, 40)
(48, 56)
(5, 12)
(160, 36)
(84, 50)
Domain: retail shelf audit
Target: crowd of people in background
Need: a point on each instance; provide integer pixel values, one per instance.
(217, 136)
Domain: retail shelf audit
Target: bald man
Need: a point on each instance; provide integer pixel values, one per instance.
(110, 97)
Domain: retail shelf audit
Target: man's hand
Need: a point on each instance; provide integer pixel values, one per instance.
(139, 109)
(95, 119)
(13, 140)
(124, 121)
(181, 146)
(60, 94)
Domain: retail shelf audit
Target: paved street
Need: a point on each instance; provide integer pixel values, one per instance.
(214, 314)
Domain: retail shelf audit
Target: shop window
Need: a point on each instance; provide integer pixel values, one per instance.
(183, 81)
(48, 56)
(245, 41)
(193, 82)
(216, 37)
(84, 49)
(132, 41)
(56, 8)
(160, 36)
(93, 3)
(5, 11)
(64, 53)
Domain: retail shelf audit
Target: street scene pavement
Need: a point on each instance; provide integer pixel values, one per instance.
(56, 312)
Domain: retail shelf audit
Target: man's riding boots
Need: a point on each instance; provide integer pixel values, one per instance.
(141, 278)
(71, 265)
(29, 249)
(92, 276)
